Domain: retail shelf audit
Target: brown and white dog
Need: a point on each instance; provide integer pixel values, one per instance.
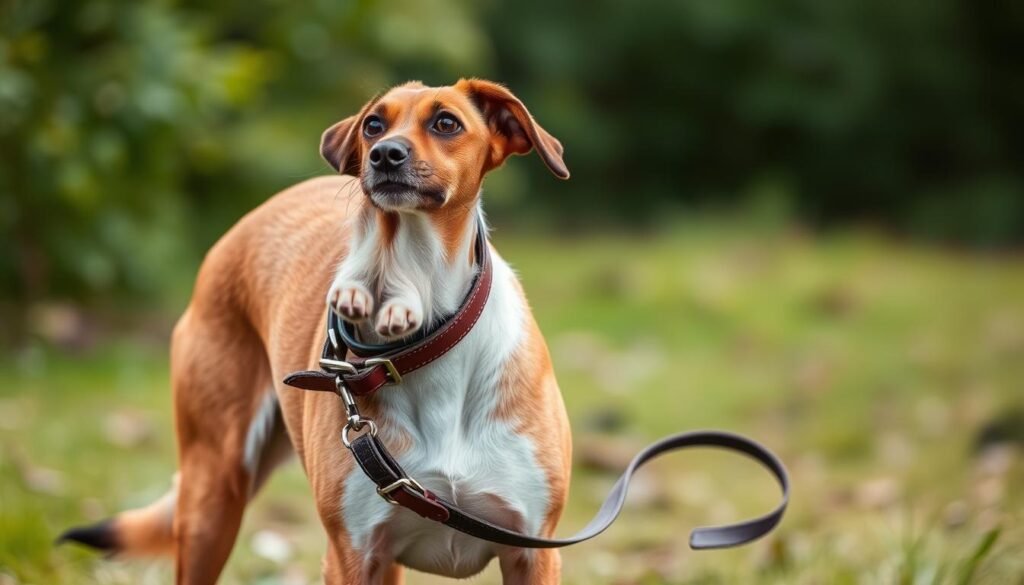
(390, 246)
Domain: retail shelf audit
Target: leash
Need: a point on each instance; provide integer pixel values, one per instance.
(350, 369)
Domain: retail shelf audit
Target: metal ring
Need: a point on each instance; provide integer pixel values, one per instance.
(354, 427)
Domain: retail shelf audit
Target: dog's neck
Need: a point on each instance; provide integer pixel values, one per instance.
(426, 259)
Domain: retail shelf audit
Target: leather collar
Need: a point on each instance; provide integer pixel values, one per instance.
(366, 368)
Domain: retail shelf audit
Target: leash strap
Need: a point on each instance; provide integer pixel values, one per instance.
(398, 488)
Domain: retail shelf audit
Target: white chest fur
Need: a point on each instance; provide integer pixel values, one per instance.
(459, 448)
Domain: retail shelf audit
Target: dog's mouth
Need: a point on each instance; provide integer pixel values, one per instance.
(388, 188)
(395, 195)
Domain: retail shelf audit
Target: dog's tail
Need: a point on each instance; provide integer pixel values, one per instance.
(147, 531)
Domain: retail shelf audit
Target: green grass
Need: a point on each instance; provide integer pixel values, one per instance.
(871, 366)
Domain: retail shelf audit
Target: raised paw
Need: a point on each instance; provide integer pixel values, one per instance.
(396, 319)
(352, 301)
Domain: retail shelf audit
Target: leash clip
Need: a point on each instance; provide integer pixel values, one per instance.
(351, 409)
(355, 421)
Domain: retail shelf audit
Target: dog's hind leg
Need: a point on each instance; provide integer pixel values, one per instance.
(225, 421)
(230, 436)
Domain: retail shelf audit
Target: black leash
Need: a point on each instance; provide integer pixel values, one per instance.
(398, 488)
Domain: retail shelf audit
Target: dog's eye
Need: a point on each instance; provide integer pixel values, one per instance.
(372, 126)
(446, 123)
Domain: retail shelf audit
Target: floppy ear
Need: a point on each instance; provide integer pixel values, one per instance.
(339, 145)
(513, 129)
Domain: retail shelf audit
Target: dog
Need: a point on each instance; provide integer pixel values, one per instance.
(389, 243)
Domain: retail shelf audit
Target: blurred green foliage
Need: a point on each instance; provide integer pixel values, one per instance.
(906, 112)
(133, 133)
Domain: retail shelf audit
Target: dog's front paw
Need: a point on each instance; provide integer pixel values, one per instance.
(398, 319)
(352, 301)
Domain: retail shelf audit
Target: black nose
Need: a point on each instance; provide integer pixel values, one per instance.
(389, 154)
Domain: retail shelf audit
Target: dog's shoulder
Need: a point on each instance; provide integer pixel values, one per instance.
(290, 243)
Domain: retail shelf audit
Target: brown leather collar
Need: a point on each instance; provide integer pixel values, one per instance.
(364, 373)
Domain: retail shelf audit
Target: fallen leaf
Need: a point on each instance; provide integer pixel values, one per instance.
(995, 460)
(272, 546)
(955, 514)
(294, 575)
(12, 416)
(128, 428)
(878, 493)
(606, 453)
(990, 491)
(42, 480)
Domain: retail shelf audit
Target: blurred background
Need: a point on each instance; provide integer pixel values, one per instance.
(798, 220)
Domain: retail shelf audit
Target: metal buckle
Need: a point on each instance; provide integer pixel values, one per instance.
(385, 492)
(396, 378)
(338, 366)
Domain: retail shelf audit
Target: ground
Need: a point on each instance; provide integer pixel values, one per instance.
(888, 376)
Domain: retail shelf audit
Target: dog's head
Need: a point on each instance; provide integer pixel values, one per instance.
(418, 147)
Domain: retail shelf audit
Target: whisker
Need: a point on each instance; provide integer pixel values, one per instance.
(302, 176)
(351, 196)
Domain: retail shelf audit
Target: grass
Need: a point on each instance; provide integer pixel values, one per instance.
(889, 377)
